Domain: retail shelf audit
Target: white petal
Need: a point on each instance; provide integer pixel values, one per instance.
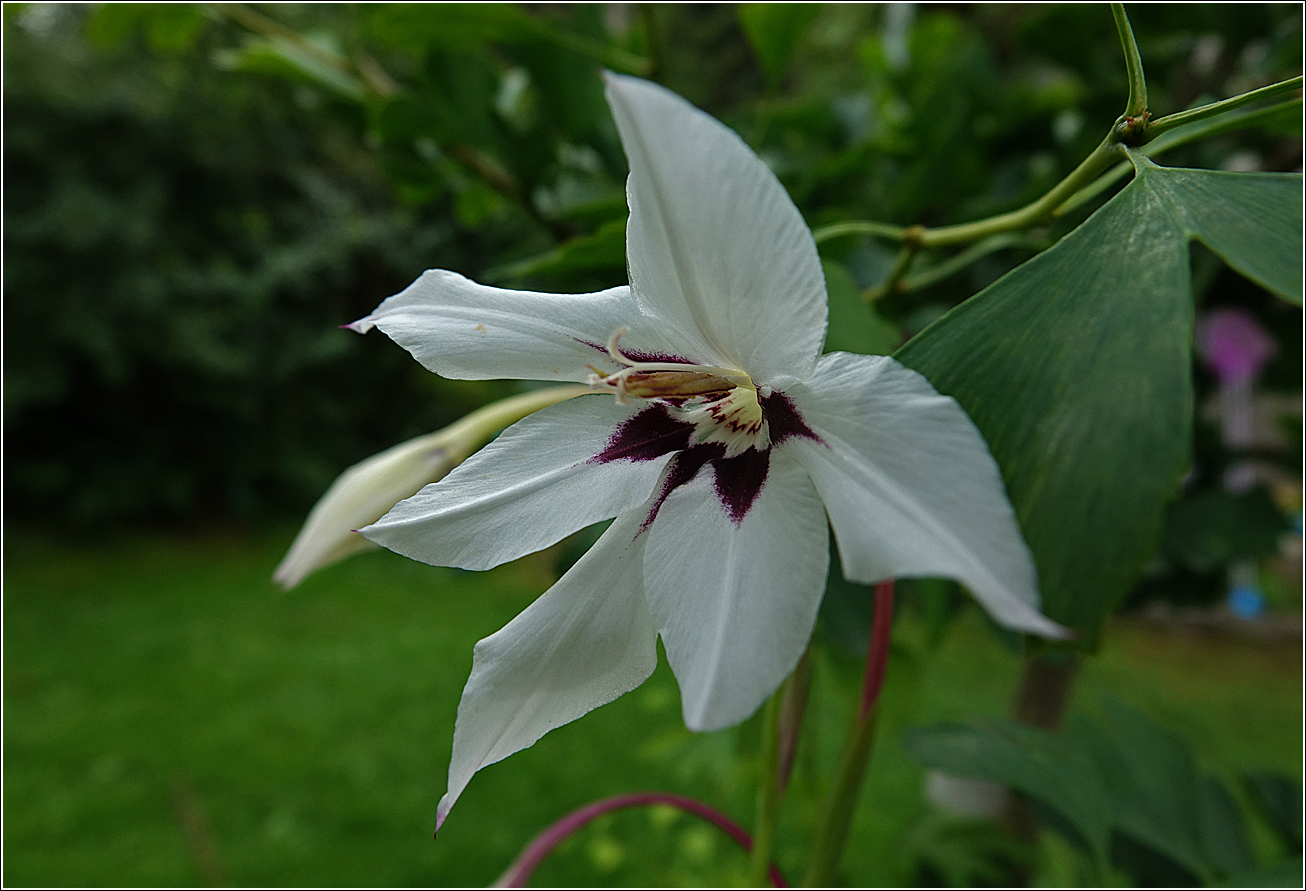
(460, 329)
(714, 243)
(530, 488)
(736, 603)
(586, 641)
(911, 488)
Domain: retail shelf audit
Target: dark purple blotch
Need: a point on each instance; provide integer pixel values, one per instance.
(649, 434)
(738, 481)
(783, 419)
(683, 468)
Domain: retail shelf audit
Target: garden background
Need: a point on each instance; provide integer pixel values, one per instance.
(198, 196)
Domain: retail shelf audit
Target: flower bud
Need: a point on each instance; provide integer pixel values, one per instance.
(367, 491)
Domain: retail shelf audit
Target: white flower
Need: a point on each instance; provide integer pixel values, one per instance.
(729, 446)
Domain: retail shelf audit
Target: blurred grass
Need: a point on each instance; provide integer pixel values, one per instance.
(171, 718)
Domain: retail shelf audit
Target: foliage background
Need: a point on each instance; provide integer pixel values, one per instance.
(193, 204)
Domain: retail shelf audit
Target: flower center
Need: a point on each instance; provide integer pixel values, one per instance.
(723, 404)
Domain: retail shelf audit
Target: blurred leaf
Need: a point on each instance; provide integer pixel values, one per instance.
(286, 59)
(419, 27)
(1046, 766)
(570, 89)
(1077, 369)
(774, 30)
(456, 96)
(1279, 798)
(1286, 874)
(1224, 829)
(1158, 796)
(169, 27)
(1252, 220)
(605, 249)
(1214, 528)
(416, 27)
(855, 325)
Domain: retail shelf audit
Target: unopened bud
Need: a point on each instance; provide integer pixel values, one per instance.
(367, 491)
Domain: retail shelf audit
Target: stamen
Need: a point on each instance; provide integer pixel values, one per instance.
(721, 403)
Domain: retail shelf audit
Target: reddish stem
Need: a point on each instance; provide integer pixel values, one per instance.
(543, 844)
(877, 648)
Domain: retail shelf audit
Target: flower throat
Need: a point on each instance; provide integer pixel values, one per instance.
(723, 404)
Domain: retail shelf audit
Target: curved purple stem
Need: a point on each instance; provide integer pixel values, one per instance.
(877, 648)
(543, 844)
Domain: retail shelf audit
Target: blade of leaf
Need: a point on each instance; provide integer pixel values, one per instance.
(774, 30)
(605, 249)
(1252, 220)
(1150, 775)
(1076, 367)
(1046, 766)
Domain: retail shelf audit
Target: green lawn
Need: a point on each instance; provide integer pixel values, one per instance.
(171, 718)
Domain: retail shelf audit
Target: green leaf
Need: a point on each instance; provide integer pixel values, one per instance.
(1252, 220)
(855, 325)
(288, 60)
(418, 27)
(605, 249)
(1286, 874)
(1046, 766)
(775, 30)
(1077, 368)
(1224, 829)
(1279, 798)
(1158, 796)
(169, 27)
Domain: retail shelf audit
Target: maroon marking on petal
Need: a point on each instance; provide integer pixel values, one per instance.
(636, 355)
(642, 437)
(739, 480)
(683, 468)
(783, 419)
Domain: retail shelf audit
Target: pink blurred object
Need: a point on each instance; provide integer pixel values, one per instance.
(1234, 344)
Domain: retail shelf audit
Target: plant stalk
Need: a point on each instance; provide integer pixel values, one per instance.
(1178, 119)
(836, 820)
(1136, 105)
(516, 875)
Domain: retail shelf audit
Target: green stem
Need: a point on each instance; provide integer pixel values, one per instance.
(1083, 183)
(1137, 104)
(1102, 157)
(837, 818)
(1170, 121)
(955, 264)
(892, 281)
(1174, 138)
(793, 705)
(827, 849)
(768, 795)
(859, 227)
